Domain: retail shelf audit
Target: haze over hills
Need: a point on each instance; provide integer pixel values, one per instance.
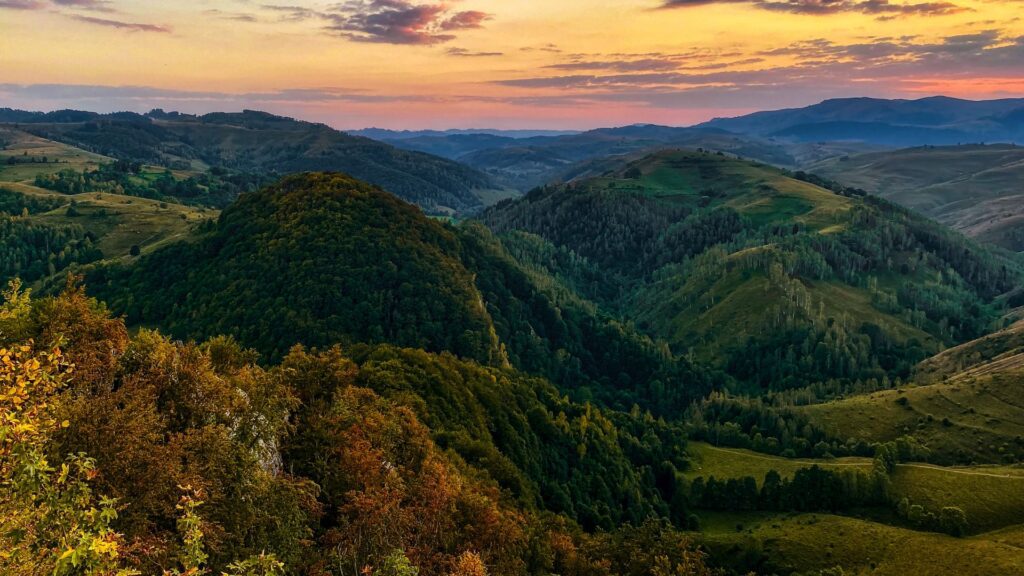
(524, 163)
(491, 164)
(975, 189)
(384, 134)
(934, 120)
(790, 138)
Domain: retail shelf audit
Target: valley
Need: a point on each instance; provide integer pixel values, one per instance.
(676, 354)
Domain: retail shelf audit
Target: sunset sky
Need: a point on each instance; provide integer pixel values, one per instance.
(501, 63)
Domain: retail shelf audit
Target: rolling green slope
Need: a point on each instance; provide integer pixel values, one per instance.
(974, 189)
(810, 543)
(777, 280)
(991, 496)
(46, 231)
(967, 404)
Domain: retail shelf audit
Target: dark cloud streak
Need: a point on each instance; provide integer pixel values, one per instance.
(883, 9)
(121, 25)
(464, 53)
(22, 5)
(94, 5)
(401, 21)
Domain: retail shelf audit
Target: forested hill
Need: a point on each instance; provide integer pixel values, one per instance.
(781, 280)
(614, 287)
(319, 259)
(261, 143)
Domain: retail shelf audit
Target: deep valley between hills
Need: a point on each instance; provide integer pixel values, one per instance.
(243, 342)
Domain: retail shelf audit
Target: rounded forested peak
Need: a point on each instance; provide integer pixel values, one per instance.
(319, 185)
(316, 259)
(336, 182)
(325, 206)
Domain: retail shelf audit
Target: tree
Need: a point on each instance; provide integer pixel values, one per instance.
(469, 564)
(396, 564)
(50, 520)
(953, 521)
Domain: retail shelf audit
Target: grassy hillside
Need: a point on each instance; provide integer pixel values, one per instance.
(707, 460)
(979, 420)
(993, 353)
(966, 404)
(24, 156)
(255, 142)
(785, 544)
(991, 496)
(775, 279)
(974, 189)
(67, 229)
(119, 222)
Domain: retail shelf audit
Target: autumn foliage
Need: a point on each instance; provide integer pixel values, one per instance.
(140, 455)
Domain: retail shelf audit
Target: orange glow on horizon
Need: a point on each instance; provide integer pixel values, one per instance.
(500, 63)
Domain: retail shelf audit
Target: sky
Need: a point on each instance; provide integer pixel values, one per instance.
(539, 64)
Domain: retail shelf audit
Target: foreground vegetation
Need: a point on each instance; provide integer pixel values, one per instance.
(718, 370)
(166, 456)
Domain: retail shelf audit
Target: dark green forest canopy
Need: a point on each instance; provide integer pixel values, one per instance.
(32, 250)
(313, 259)
(596, 466)
(321, 259)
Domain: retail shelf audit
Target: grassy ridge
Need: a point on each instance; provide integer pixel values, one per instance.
(708, 460)
(763, 193)
(991, 496)
(968, 406)
(806, 542)
(974, 188)
(116, 222)
(28, 151)
(980, 419)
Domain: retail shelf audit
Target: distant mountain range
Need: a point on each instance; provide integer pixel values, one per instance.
(384, 134)
(935, 120)
(461, 171)
(525, 163)
(790, 138)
